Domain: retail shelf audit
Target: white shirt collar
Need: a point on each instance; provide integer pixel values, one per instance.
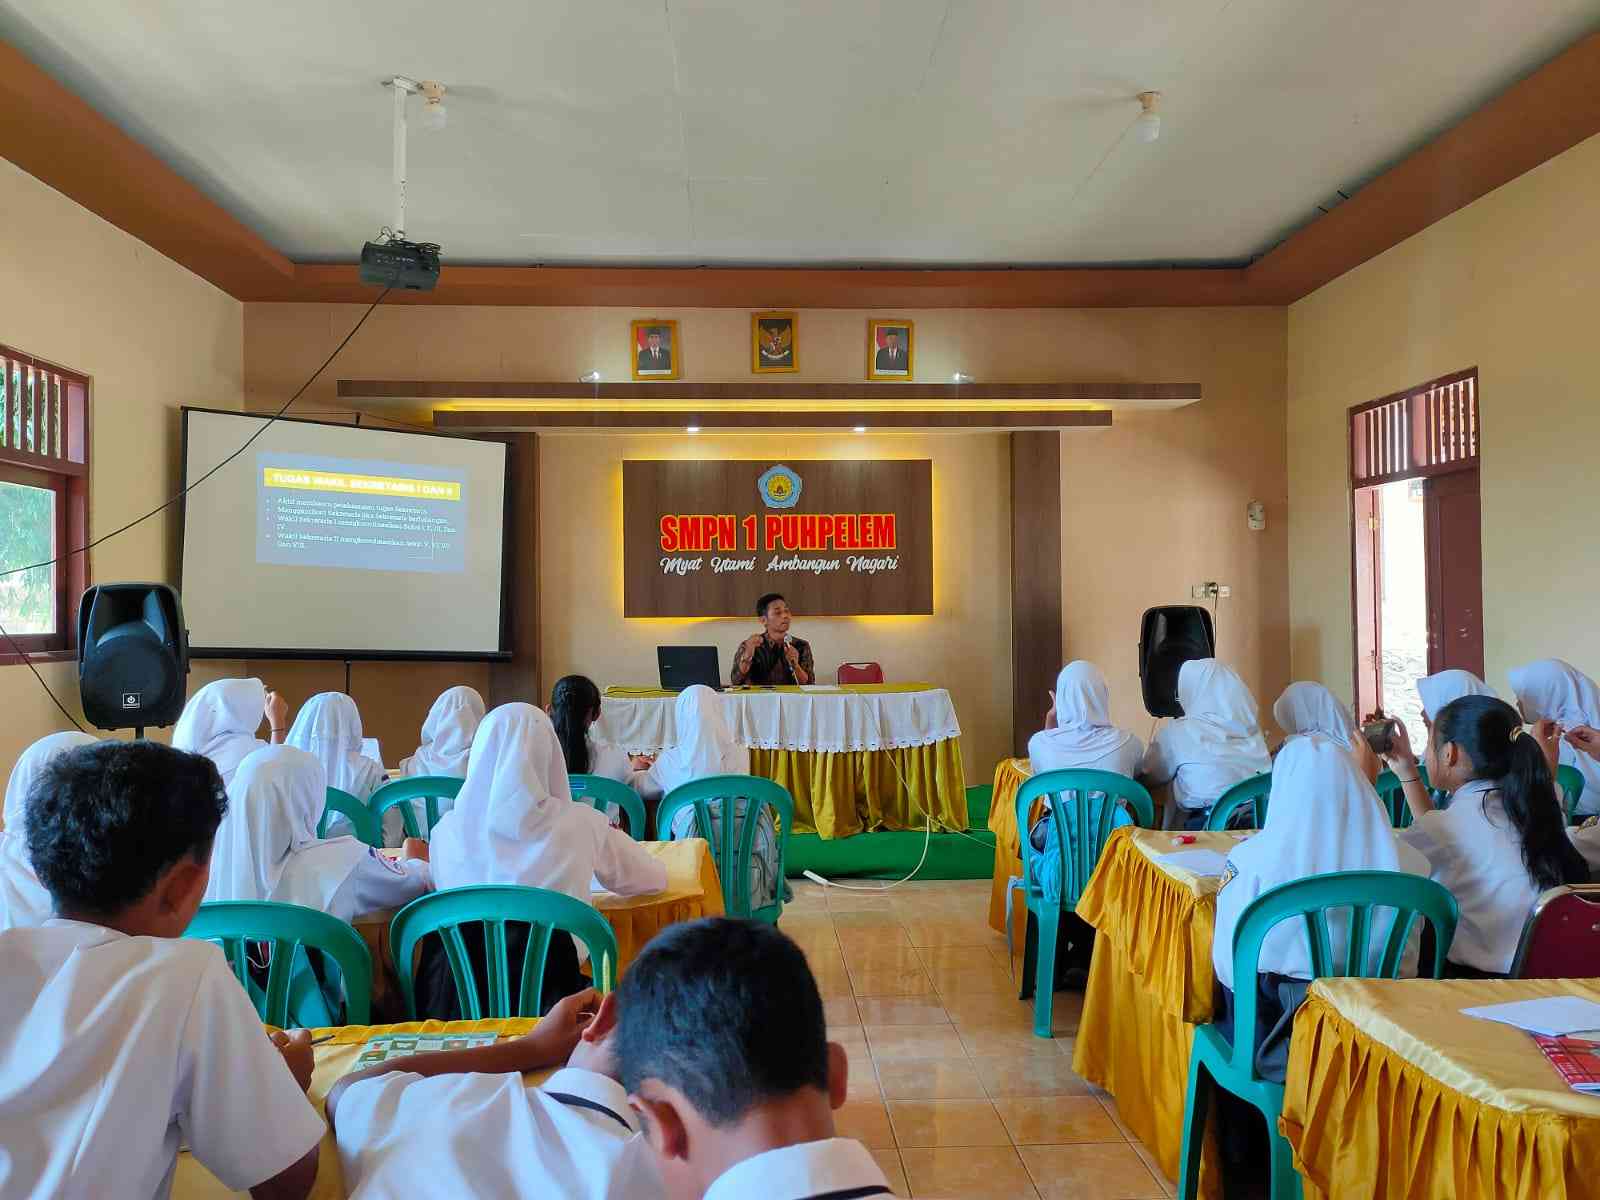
(809, 1171)
(597, 1093)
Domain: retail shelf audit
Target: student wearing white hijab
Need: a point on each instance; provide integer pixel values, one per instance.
(1310, 708)
(704, 748)
(268, 849)
(1323, 816)
(1081, 735)
(514, 822)
(447, 735)
(1214, 745)
(1439, 689)
(221, 719)
(23, 899)
(1550, 689)
(328, 727)
(1503, 839)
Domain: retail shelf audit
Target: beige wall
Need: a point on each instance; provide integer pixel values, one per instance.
(152, 336)
(1152, 506)
(1509, 284)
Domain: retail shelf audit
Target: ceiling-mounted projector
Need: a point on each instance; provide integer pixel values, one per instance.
(413, 266)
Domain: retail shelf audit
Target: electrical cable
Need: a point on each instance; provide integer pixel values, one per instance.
(166, 504)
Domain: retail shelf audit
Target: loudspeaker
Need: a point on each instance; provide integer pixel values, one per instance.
(1169, 637)
(133, 654)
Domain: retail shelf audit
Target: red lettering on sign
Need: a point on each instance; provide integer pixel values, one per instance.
(774, 529)
(727, 532)
(669, 533)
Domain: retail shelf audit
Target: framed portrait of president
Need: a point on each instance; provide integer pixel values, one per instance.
(890, 349)
(656, 352)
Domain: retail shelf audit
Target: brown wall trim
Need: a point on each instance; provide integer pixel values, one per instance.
(56, 137)
(509, 420)
(1036, 644)
(777, 393)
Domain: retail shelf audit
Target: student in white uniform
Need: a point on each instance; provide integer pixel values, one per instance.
(1550, 689)
(723, 1049)
(121, 1039)
(1503, 839)
(1586, 739)
(433, 1116)
(446, 739)
(221, 720)
(328, 726)
(23, 900)
(574, 708)
(1214, 745)
(1440, 688)
(705, 748)
(1310, 708)
(514, 822)
(268, 849)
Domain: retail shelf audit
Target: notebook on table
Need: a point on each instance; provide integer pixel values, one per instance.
(398, 1045)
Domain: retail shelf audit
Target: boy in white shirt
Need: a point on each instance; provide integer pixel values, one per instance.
(121, 1039)
(724, 1052)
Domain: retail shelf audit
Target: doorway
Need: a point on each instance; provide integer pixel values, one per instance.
(1416, 546)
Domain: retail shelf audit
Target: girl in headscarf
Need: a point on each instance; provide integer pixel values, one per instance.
(1550, 689)
(221, 719)
(1503, 839)
(1323, 816)
(267, 846)
(705, 747)
(1439, 689)
(514, 822)
(1309, 708)
(328, 727)
(447, 735)
(1214, 745)
(23, 899)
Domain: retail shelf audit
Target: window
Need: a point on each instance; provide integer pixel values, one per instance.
(44, 491)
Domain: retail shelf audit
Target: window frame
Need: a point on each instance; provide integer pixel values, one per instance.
(66, 474)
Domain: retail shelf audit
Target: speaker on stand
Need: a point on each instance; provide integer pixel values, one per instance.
(1170, 636)
(133, 655)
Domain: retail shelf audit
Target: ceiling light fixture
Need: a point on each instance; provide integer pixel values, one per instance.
(861, 428)
(691, 429)
(1147, 126)
(589, 377)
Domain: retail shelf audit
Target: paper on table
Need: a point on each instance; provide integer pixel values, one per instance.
(1197, 862)
(819, 687)
(1552, 1016)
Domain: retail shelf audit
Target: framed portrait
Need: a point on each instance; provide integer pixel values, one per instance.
(891, 349)
(774, 343)
(656, 352)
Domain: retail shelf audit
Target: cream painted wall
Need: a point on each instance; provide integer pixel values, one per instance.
(152, 336)
(1509, 284)
(965, 645)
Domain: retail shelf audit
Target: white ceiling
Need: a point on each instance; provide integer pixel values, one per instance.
(806, 131)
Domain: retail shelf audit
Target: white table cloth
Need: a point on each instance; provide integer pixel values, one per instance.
(828, 719)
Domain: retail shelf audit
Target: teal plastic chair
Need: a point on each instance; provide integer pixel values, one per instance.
(288, 928)
(597, 791)
(1079, 837)
(1393, 794)
(400, 793)
(492, 905)
(1213, 1062)
(732, 851)
(1254, 790)
(366, 823)
(1570, 780)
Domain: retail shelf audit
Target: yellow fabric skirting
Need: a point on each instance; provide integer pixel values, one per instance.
(837, 794)
(1009, 776)
(1163, 925)
(1364, 1121)
(693, 891)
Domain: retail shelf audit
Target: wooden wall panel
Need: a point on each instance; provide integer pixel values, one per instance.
(518, 679)
(1036, 644)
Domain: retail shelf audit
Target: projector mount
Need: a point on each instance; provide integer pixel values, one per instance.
(391, 261)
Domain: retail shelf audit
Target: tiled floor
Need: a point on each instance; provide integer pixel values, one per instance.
(948, 1085)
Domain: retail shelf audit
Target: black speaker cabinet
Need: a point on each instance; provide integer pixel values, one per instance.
(133, 655)
(1169, 637)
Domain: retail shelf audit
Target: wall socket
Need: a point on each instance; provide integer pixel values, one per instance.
(1209, 589)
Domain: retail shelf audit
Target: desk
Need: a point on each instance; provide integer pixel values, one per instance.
(1150, 983)
(693, 891)
(1009, 777)
(855, 758)
(334, 1058)
(1392, 1092)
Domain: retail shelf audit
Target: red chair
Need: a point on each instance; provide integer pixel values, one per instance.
(1562, 937)
(862, 672)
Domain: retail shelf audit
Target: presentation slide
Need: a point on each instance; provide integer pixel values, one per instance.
(335, 538)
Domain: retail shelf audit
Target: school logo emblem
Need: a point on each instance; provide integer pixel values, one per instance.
(779, 487)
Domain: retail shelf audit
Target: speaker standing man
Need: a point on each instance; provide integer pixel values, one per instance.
(773, 656)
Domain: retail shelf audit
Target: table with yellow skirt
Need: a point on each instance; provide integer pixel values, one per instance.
(335, 1058)
(693, 890)
(1392, 1092)
(1150, 983)
(856, 758)
(1009, 776)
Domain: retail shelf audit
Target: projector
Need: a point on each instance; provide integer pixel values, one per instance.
(413, 266)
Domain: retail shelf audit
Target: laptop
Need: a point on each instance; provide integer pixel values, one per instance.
(685, 666)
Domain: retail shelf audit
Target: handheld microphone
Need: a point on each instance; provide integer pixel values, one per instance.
(788, 639)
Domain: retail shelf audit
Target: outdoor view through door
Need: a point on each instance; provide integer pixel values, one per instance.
(1418, 561)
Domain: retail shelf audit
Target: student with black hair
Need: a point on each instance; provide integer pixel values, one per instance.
(723, 1050)
(120, 1038)
(574, 708)
(1503, 839)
